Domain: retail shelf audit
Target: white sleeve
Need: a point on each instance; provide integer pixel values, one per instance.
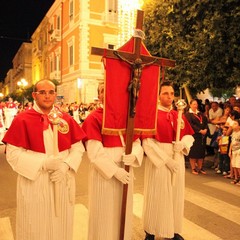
(138, 152)
(74, 157)
(187, 140)
(156, 155)
(25, 162)
(98, 157)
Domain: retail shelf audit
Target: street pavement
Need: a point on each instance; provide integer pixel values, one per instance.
(212, 204)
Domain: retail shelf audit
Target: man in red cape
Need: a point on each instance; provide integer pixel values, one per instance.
(164, 201)
(30, 152)
(107, 175)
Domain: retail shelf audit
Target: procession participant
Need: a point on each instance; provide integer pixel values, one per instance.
(107, 176)
(28, 106)
(10, 111)
(164, 201)
(76, 116)
(30, 153)
(2, 126)
(199, 125)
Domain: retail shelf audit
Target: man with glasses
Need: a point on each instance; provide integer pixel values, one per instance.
(31, 153)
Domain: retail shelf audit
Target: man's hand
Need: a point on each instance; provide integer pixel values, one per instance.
(52, 163)
(122, 175)
(60, 173)
(128, 159)
(178, 146)
(172, 165)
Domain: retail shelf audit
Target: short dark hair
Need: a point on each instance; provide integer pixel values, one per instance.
(193, 100)
(235, 114)
(165, 83)
(238, 121)
(99, 85)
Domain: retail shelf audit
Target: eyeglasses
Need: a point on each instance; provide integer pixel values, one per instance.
(43, 92)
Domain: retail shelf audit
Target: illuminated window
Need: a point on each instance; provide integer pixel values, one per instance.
(112, 6)
(112, 11)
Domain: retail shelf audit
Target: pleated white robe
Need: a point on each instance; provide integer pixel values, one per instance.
(163, 201)
(105, 191)
(36, 218)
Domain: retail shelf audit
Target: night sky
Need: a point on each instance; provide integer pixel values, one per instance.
(18, 20)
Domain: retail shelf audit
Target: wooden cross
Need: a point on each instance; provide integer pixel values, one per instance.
(132, 57)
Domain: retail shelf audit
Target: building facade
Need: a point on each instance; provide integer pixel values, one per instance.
(61, 45)
(22, 69)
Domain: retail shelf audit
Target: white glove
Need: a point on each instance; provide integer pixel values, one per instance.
(52, 163)
(172, 165)
(128, 159)
(122, 175)
(178, 146)
(60, 173)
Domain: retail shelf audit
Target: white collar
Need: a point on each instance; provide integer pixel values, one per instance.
(36, 107)
(191, 111)
(160, 107)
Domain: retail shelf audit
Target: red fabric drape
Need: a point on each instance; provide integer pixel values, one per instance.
(118, 76)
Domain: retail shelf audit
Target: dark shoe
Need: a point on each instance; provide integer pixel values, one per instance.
(177, 237)
(149, 236)
(235, 181)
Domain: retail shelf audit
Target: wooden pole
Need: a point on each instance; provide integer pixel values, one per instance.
(131, 56)
(130, 129)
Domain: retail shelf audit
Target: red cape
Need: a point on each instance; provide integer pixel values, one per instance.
(26, 131)
(166, 132)
(92, 126)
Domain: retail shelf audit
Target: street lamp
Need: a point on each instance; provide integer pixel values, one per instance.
(22, 84)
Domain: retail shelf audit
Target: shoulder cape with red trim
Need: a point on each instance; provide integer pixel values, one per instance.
(26, 131)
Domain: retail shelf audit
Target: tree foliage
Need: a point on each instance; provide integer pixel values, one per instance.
(203, 37)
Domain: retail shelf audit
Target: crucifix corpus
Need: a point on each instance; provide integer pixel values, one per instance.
(137, 67)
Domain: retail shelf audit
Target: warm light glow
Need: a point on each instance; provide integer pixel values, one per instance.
(1, 95)
(130, 5)
(79, 83)
(238, 91)
(22, 83)
(127, 10)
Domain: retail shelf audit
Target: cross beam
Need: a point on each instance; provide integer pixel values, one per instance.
(164, 62)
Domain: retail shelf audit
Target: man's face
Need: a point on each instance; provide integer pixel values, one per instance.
(45, 96)
(101, 93)
(214, 107)
(166, 96)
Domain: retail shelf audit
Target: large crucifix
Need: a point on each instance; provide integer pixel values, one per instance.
(137, 62)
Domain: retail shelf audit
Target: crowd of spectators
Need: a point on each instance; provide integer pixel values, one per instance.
(223, 137)
(220, 118)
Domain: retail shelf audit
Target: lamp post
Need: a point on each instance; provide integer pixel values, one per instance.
(22, 84)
